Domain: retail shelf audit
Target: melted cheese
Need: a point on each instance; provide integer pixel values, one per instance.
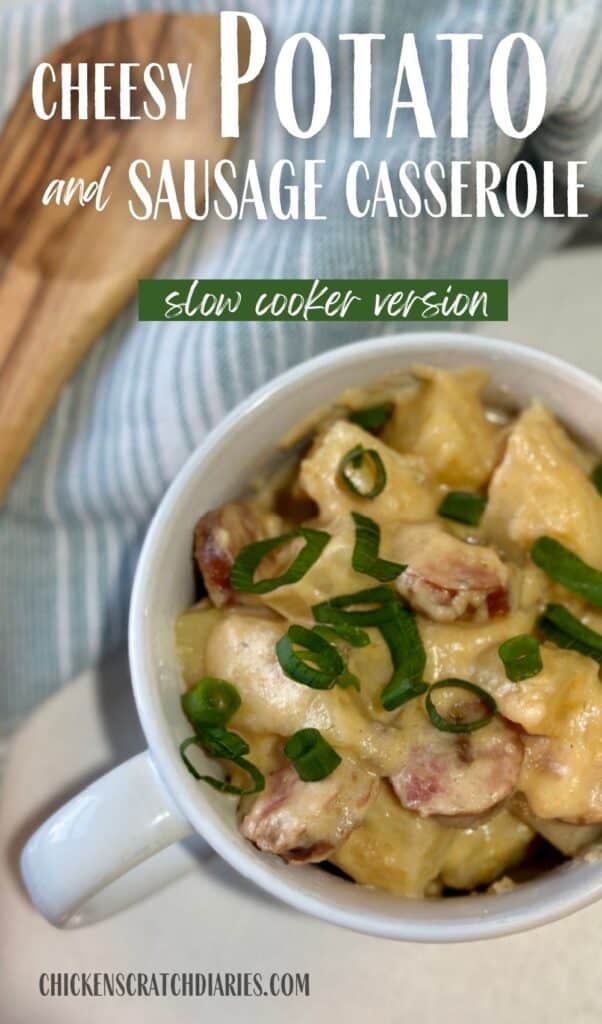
(453, 648)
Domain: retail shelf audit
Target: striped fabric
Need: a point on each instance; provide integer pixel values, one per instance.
(71, 529)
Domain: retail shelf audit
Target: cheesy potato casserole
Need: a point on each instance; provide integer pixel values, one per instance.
(395, 655)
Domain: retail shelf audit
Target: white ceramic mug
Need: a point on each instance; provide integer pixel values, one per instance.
(152, 801)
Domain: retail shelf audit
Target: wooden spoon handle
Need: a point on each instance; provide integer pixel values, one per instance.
(65, 272)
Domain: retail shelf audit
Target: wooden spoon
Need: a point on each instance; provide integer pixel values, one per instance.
(65, 272)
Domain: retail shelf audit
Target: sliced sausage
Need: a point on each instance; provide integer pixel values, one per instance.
(221, 534)
(303, 822)
(446, 578)
(459, 779)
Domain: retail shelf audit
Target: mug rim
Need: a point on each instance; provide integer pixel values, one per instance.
(495, 914)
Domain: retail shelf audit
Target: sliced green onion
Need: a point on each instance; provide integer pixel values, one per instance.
(560, 626)
(246, 563)
(210, 702)
(399, 691)
(342, 632)
(219, 742)
(521, 657)
(354, 461)
(365, 551)
(219, 784)
(373, 418)
(348, 635)
(318, 666)
(447, 725)
(565, 567)
(597, 477)
(402, 637)
(336, 612)
(311, 756)
(348, 681)
(397, 625)
(463, 507)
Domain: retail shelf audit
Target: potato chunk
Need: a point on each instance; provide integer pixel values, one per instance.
(444, 421)
(563, 779)
(561, 711)
(541, 487)
(242, 649)
(191, 634)
(394, 849)
(569, 839)
(478, 856)
(408, 495)
(332, 574)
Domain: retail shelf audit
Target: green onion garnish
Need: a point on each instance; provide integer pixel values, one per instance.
(365, 552)
(397, 625)
(219, 742)
(463, 507)
(348, 634)
(336, 612)
(399, 691)
(565, 567)
(208, 706)
(211, 702)
(597, 477)
(560, 626)
(317, 666)
(521, 657)
(373, 418)
(362, 459)
(451, 725)
(402, 637)
(249, 559)
(311, 756)
(348, 681)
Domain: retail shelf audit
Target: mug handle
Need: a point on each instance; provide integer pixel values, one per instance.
(109, 828)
